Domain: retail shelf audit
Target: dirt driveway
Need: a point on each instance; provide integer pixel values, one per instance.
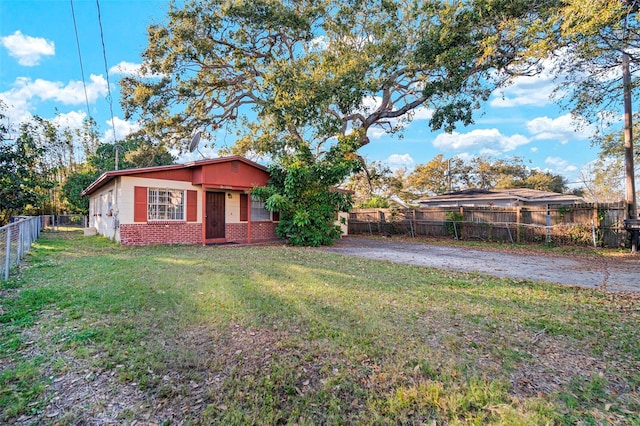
(619, 273)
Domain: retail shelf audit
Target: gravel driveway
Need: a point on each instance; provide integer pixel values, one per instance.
(621, 273)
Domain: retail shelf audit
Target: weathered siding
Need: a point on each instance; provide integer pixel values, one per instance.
(103, 210)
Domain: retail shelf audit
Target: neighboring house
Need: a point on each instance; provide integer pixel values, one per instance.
(199, 202)
(499, 198)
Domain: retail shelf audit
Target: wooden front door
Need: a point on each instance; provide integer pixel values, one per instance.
(215, 215)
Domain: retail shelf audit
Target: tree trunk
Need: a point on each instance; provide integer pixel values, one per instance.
(628, 148)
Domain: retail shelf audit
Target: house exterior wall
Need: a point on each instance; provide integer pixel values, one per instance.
(237, 230)
(230, 174)
(103, 210)
(232, 205)
(156, 232)
(129, 183)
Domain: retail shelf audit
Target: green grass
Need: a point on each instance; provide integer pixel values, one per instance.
(266, 335)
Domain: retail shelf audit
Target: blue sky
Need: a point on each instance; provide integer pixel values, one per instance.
(40, 74)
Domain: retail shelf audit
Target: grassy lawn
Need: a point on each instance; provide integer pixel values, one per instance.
(92, 332)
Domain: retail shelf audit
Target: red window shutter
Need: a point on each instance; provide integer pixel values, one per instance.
(275, 216)
(192, 206)
(140, 204)
(244, 205)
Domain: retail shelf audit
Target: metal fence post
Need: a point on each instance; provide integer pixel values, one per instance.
(18, 243)
(7, 255)
(548, 227)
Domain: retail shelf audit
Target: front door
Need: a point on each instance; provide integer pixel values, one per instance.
(215, 215)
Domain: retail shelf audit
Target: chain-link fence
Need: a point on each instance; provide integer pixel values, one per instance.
(15, 240)
(71, 221)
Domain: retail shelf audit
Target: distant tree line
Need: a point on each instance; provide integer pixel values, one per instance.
(44, 168)
(376, 183)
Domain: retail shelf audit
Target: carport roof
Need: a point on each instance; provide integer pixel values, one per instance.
(525, 195)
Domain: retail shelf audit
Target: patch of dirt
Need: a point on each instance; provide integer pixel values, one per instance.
(84, 394)
(217, 367)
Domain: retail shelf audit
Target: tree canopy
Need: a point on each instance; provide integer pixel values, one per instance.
(21, 178)
(294, 74)
(374, 184)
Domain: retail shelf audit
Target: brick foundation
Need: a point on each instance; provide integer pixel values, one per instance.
(142, 234)
(260, 231)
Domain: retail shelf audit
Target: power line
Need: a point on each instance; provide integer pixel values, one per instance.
(84, 83)
(109, 98)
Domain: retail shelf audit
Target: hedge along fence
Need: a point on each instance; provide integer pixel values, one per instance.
(581, 224)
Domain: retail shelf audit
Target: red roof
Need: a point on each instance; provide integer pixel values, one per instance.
(109, 176)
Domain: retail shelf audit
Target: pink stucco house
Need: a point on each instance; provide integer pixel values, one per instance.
(200, 202)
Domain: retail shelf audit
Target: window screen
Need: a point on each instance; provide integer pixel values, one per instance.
(165, 204)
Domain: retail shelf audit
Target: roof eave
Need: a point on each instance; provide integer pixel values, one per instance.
(106, 177)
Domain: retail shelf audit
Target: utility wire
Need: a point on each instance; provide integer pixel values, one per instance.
(84, 83)
(109, 98)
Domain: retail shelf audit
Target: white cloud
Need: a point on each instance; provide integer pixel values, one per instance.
(25, 89)
(399, 161)
(422, 113)
(125, 68)
(524, 94)
(526, 91)
(18, 108)
(70, 120)
(489, 141)
(490, 152)
(318, 43)
(370, 103)
(560, 165)
(203, 152)
(562, 129)
(25, 93)
(26, 49)
(122, 129)
(129, 68)
(376, 132)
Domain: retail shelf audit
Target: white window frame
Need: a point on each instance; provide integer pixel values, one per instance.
(166, 204)
(258, 212)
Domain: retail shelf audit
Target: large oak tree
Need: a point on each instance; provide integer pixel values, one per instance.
(293, 78)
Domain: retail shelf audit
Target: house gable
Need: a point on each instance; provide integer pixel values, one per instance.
(234, 174)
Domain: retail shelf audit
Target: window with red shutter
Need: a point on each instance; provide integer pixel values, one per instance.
(192, 206)
(244, 206)
(140, 204)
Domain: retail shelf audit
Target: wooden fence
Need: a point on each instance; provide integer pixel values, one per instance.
(579, 224)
